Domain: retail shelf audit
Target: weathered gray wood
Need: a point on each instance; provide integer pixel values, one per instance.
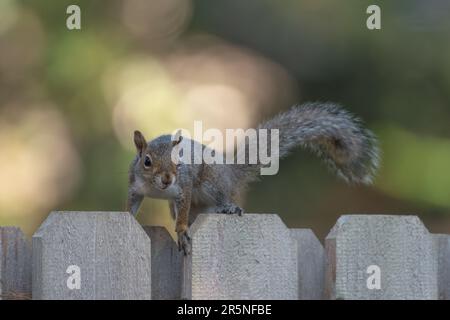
(400, 246)
(311, 265)
(186, 277)
(111, 249)
(15, 264)
(443, 247)
(249, 257)
(166, 264)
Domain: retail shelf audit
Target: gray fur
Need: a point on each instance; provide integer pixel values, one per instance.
(326, 129)
(336, 136)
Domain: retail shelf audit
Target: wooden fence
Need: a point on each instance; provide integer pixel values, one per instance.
(108, 255)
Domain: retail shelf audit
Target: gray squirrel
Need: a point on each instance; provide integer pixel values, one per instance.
(336, 136)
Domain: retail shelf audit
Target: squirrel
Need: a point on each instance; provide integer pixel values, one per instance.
(335, 135)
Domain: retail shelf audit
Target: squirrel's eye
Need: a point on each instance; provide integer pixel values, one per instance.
(147, 162)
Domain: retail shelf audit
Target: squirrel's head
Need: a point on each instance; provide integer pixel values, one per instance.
(153, 163)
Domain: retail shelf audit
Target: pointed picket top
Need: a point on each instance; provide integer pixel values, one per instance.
(91, 255)
(381, 257)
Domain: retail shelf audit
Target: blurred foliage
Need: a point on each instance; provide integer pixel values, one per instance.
(69, 100)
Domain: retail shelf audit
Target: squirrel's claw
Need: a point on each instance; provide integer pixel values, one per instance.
(184, 242)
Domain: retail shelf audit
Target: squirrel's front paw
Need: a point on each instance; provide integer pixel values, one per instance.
(230, 209)
(184, 242)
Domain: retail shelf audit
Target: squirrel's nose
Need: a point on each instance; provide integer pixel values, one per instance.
(166, 180)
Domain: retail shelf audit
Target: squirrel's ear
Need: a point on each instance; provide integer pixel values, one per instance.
(176, 139)
(139, 142)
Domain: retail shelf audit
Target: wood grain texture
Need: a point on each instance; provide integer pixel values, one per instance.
(250, 257)
(400, 245)
(311, 265)
(241, 257)
(111, 249)
(443, 247)
(15, 264)
(166, 264)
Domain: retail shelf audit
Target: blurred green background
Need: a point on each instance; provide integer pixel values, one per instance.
(70, 100)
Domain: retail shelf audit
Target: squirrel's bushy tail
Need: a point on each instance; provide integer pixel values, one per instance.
(335, 135)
